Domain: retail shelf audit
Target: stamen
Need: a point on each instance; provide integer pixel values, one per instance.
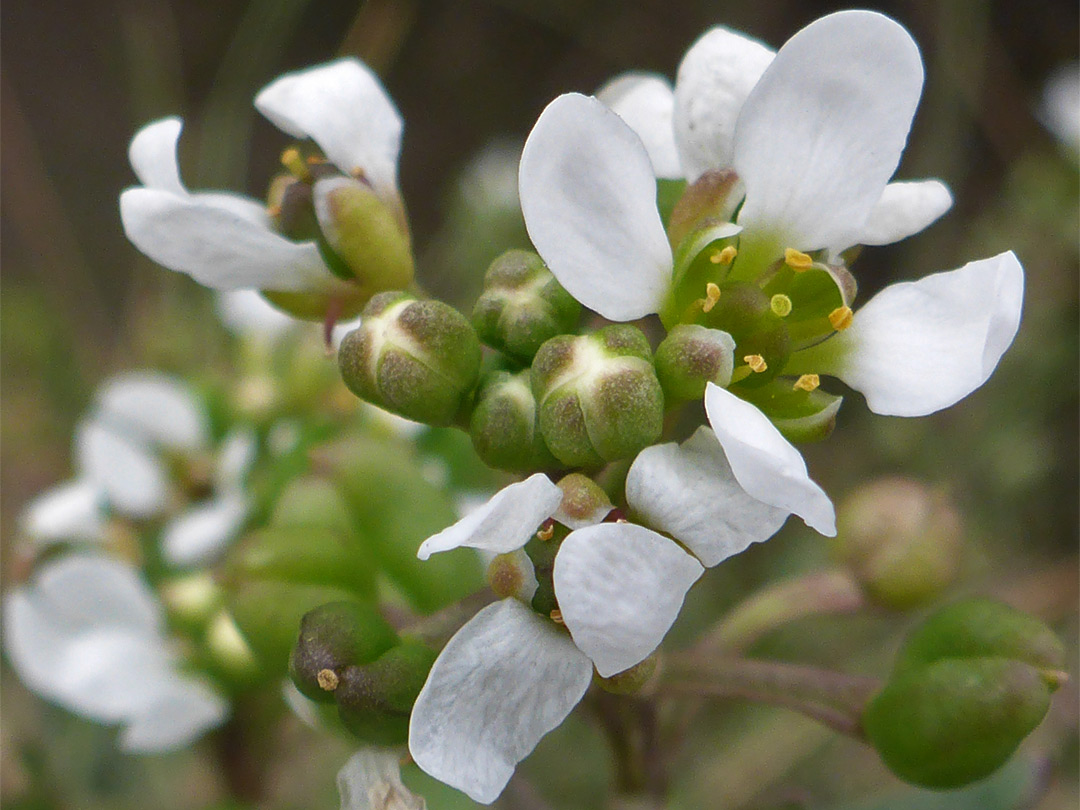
(712, 295)
(547, 531)
(797, 260)
(841, 318)
(756, 362)
(725, 256)
(328, 680)
(296, 165)
(807, 382)
(780, 305)
(556, 616)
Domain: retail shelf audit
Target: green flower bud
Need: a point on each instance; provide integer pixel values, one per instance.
(691, 356)
(504, 427)
(599, 399)
(522, 305)
(418, 359)
(901, 540)
(365, 231)
(630, 681)
(957, 720)
(375, 700)
(310, 501)
(584, 502)
(332, 637)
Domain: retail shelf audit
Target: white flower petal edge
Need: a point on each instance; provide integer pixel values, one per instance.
(822, 131)
(620, 588)
(371, 780)
(343, 107)
(248, 315)
(689, 491)
(132, 478)
(180, 709)
(504, 523)
(73, 510)
(152, 154)
(764, 463)
(504, 680)
(588, 196)
(201, 533)
(646, 103)
(155, 408)
(714, 78)
(904, 209)
(921, 346)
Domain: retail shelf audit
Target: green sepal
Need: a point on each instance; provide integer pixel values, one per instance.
(800, 416)
(504, 426)
(693, 270)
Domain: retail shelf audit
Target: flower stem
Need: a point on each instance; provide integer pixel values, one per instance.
(435, 630)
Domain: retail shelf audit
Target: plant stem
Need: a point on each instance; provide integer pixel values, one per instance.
(435, 630)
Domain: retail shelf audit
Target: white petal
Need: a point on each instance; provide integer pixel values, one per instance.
(253, 211)
(504, 680)
(714, 79)
(1059, 109)
(764, 462)
(69, 511)
(131, 477)
(904, 209)
(646, 103)
(247, 314)
(620, 588)
(153, 155)
(822, 131)
(109, 674)
(153, 407)
(588, 196)
(180, 710)
(921, 346)
(689, 491)
(202, 532)
(504, 523)
(338, 333)
(343, 107)
(371, 780)
(235, 458)
(219, 248)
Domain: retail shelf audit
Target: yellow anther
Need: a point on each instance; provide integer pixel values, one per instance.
(712, 295)
(725, 256)
(546, 532)
(797, 260)
(297, 166)
(807, 382)
(328, 680)
(780, 305)
(840, 318)
(756, 362)
(556, 616)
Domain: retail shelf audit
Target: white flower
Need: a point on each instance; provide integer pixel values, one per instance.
(509, 676)
(1059, 108)
(371, 780)
(225, 241)
(248, 315)
(88, 634)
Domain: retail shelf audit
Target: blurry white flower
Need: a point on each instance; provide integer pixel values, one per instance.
(1059, 109)
(88, 634)
(248, 315)
(371, 780)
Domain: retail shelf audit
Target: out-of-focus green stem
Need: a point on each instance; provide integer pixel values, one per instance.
(822, 592)
(435, 630)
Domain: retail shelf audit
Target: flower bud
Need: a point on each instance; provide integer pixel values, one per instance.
(691, 356)
(418, 359)
(522, 305)
(599, 399)
(504, 428)
(374, 700)
(584, 502)
(969, 685)
(310, 501)
(366, 232)
(630, 681)
(310, 555)
(332, 637)
(901, 539)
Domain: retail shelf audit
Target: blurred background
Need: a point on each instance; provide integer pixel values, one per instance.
(470, 78)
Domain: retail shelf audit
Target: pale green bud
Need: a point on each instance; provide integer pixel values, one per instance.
(584, 502)
(599, 399)
(522, 305)
(418, 359)
(504, 427)
(901, 540)
(692, 356)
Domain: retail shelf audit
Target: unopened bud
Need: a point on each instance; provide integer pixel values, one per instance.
(310, 555)
(374, 700)
(692, 356)
(599, 399)
(365, 232)
(901, 539)
(418, 359)
(633, 680)
(332, 637)
(504, 427)
(311, 501)
(584, 503)
(522, 305)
